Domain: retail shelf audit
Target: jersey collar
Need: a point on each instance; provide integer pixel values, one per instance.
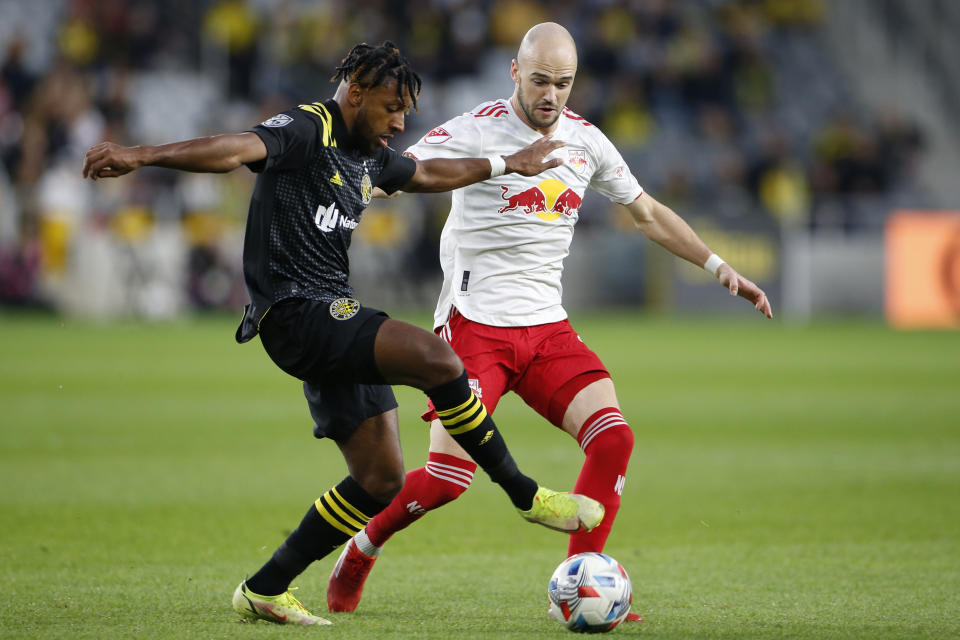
(340, 132)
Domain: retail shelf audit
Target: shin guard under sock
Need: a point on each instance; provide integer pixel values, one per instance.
(607, 441)
(333, 519)
(442, 480)
(467, 421)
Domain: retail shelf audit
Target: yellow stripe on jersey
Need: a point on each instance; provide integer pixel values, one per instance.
(323, 113)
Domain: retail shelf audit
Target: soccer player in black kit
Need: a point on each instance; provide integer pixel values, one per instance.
(318, 165)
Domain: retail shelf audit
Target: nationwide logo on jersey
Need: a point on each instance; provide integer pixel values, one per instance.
(577, 159)
(548, 200)
(329, 218)
(437, 136)
(344, 308)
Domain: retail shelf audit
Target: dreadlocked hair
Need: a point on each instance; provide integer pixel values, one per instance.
(371, 66)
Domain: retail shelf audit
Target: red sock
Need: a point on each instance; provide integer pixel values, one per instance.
(442, 480)
(607, 440)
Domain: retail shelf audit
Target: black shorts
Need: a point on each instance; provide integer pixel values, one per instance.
(338, 409)
(329, 345)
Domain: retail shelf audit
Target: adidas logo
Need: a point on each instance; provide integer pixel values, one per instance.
(336, 179)
(486, 437)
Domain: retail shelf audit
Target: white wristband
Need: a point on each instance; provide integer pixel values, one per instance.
(497, 166)
(713, 263)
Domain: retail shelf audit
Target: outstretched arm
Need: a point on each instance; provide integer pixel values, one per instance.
(446, 174)
(659, 223)
(214, 154)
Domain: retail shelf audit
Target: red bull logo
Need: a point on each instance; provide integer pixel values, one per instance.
(548, 200)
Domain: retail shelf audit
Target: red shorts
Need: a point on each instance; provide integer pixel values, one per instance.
(545, 364)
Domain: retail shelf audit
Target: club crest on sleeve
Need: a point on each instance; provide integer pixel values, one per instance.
(279, 120)
(437, 136)
(344, 308)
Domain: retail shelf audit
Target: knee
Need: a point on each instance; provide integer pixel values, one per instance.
(615, 442)
(441, 363)
(383, 485)
(624, 439)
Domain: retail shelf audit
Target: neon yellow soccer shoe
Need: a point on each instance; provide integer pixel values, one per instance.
(562, 511)
(281, 609)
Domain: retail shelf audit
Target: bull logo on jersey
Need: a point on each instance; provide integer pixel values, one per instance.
(344, 308)
(366, 189)
(577, 160)
(548, 200)
(475, 386)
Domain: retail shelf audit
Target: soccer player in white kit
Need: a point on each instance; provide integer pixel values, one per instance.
(502, 252)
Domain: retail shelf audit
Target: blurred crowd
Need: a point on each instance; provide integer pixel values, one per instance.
(726, 108)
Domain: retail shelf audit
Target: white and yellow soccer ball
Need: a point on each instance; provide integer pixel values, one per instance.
(589, 593)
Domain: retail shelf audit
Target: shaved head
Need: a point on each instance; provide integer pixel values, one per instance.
(549, 43)
(543, 75)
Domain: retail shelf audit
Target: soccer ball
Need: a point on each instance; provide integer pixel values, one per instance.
(589, 593)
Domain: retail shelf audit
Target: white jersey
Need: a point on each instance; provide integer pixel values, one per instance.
(503, 245)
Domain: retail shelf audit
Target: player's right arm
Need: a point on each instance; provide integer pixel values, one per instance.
(452, 156)
(446, 174)
(213, 154)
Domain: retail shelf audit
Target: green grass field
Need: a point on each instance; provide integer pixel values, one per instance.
(786, 483)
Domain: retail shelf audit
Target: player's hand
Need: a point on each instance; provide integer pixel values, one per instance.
(740, 286)
(109, 160)
(529, 160)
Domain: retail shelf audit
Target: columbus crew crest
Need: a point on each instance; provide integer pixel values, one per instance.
(366, 189)
(344, 308)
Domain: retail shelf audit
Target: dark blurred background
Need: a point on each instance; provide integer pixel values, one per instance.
(785, 131)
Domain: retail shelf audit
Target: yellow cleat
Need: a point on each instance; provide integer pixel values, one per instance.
(562, 511)
(281, 609)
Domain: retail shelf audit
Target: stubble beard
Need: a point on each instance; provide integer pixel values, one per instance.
(363, 134)
(530, 112)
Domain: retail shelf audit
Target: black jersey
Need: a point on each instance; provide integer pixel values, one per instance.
(312, 189)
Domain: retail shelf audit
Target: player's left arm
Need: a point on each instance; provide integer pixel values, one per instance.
(446, 174)
(662, 225)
